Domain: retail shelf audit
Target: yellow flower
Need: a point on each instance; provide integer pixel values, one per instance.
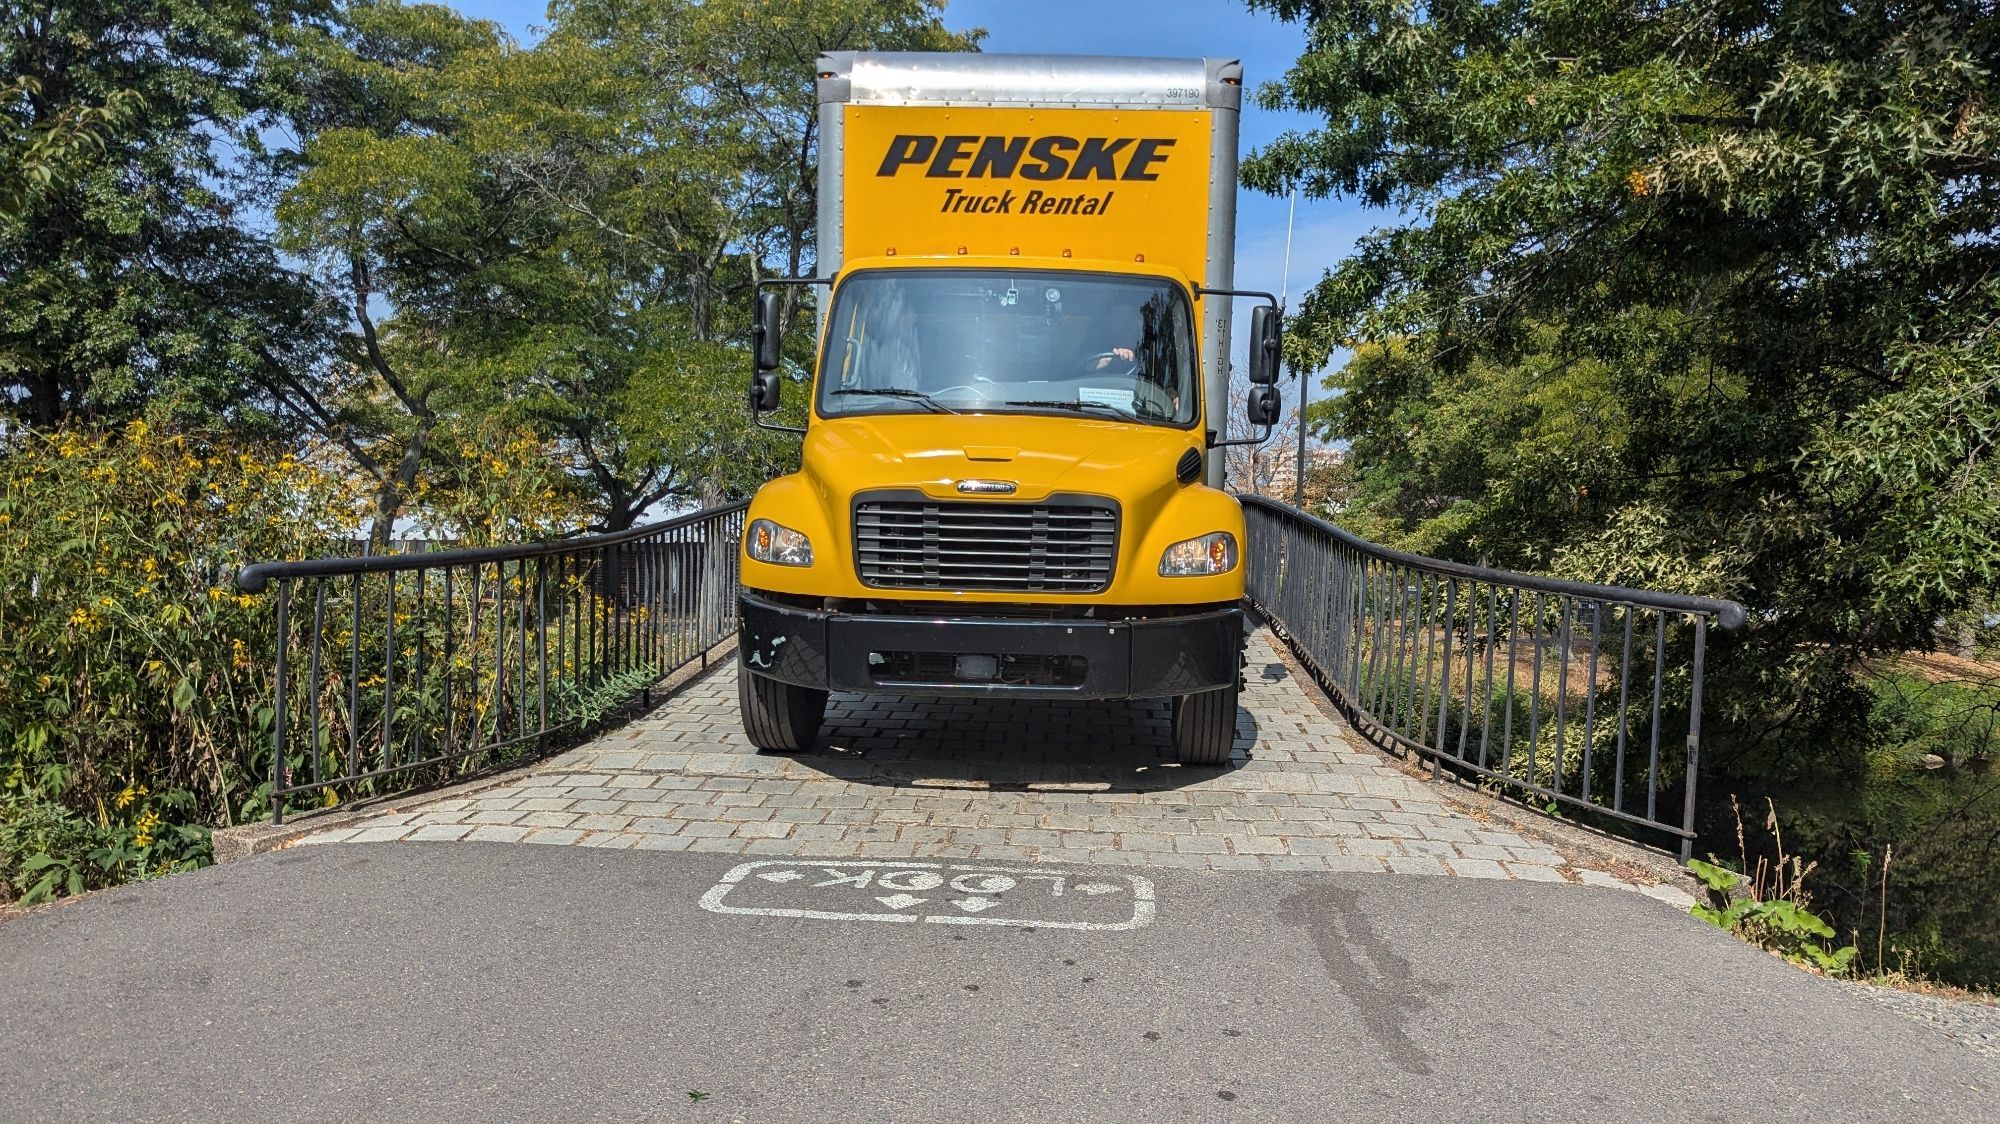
(130, 793)
(214, 594)
(1639, 182)
(136, 430)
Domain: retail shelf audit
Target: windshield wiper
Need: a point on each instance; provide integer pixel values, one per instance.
(900, 392)
(1072, 404)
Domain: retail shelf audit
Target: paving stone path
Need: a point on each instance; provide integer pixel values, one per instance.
(997, 779)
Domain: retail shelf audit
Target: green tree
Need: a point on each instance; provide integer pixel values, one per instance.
(130, 150)
(1703, 293)
(428, 255)
(676, 143)
(566, 236)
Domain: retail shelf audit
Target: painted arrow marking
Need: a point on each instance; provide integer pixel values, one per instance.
(782, 876)
(974, 905)
(1097, 888)
(901, 901)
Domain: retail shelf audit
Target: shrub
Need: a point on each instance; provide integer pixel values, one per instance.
(134, 683)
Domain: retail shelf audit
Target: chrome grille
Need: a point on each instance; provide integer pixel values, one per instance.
(921, 543)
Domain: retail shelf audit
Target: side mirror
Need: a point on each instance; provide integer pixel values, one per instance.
(764, 332)
(1263, 404)
(764, 392)
(1267, 339)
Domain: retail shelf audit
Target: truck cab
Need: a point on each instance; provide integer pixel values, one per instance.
(1008, 482)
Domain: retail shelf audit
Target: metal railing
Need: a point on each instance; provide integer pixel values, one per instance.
(400, 670)
(1580, 695)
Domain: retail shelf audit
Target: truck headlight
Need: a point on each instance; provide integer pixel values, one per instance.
(779, 545)
(1213, 553)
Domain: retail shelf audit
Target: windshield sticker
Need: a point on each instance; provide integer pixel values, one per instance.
(1122, 399)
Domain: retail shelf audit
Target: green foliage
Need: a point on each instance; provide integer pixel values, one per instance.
(134, 686)
(566, 237)
(48, 851)
(1703, 297)
(40, 154)
(1913, 716)
(131, 147)
(1781, 924)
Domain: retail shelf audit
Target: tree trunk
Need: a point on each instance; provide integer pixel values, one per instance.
(394, 488)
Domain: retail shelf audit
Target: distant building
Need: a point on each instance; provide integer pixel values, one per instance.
(1281, 481)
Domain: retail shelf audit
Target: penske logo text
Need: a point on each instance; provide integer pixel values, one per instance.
(1029, 158)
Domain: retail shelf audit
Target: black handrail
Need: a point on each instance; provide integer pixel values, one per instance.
(253, 578)
(1729, 615)
(399, 670)
(1457, 663)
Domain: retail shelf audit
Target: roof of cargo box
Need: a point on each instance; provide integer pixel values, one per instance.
(1109, 81)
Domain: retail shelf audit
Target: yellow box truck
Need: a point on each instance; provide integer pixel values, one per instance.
(1009, 482)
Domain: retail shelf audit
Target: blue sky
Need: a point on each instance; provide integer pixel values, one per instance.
(1324, 230)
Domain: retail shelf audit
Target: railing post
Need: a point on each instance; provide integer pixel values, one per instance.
(1444, 674)
(278, 709)
(1694, 738)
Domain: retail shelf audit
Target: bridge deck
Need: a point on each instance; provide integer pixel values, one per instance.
(1002, 780)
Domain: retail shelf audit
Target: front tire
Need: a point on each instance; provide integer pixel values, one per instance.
(1205, 726)
(779, 717)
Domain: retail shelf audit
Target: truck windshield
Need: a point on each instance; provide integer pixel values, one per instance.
(981, 342)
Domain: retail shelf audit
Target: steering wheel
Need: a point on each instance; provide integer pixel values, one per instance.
(1090, 364)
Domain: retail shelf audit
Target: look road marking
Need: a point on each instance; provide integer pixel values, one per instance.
(954, 894)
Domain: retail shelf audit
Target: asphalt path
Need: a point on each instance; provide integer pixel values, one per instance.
(411, 981)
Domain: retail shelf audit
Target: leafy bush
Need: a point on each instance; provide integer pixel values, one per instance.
(1781, 923)
(47, 850)
(134, 686)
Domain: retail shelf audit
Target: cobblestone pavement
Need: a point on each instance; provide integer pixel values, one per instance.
(997, 779)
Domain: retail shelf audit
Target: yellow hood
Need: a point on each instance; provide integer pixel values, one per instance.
(1130, 463)
(1039, 455)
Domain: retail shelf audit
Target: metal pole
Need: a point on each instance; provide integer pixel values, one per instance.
(1284, 299)
(1299, 484)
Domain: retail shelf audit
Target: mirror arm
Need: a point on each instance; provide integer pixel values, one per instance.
(1219, 443)
(1268, 298)
(762, 424)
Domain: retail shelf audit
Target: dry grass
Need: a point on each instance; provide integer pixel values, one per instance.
(1939, 667)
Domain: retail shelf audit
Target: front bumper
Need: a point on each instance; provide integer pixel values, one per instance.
(839, 651)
